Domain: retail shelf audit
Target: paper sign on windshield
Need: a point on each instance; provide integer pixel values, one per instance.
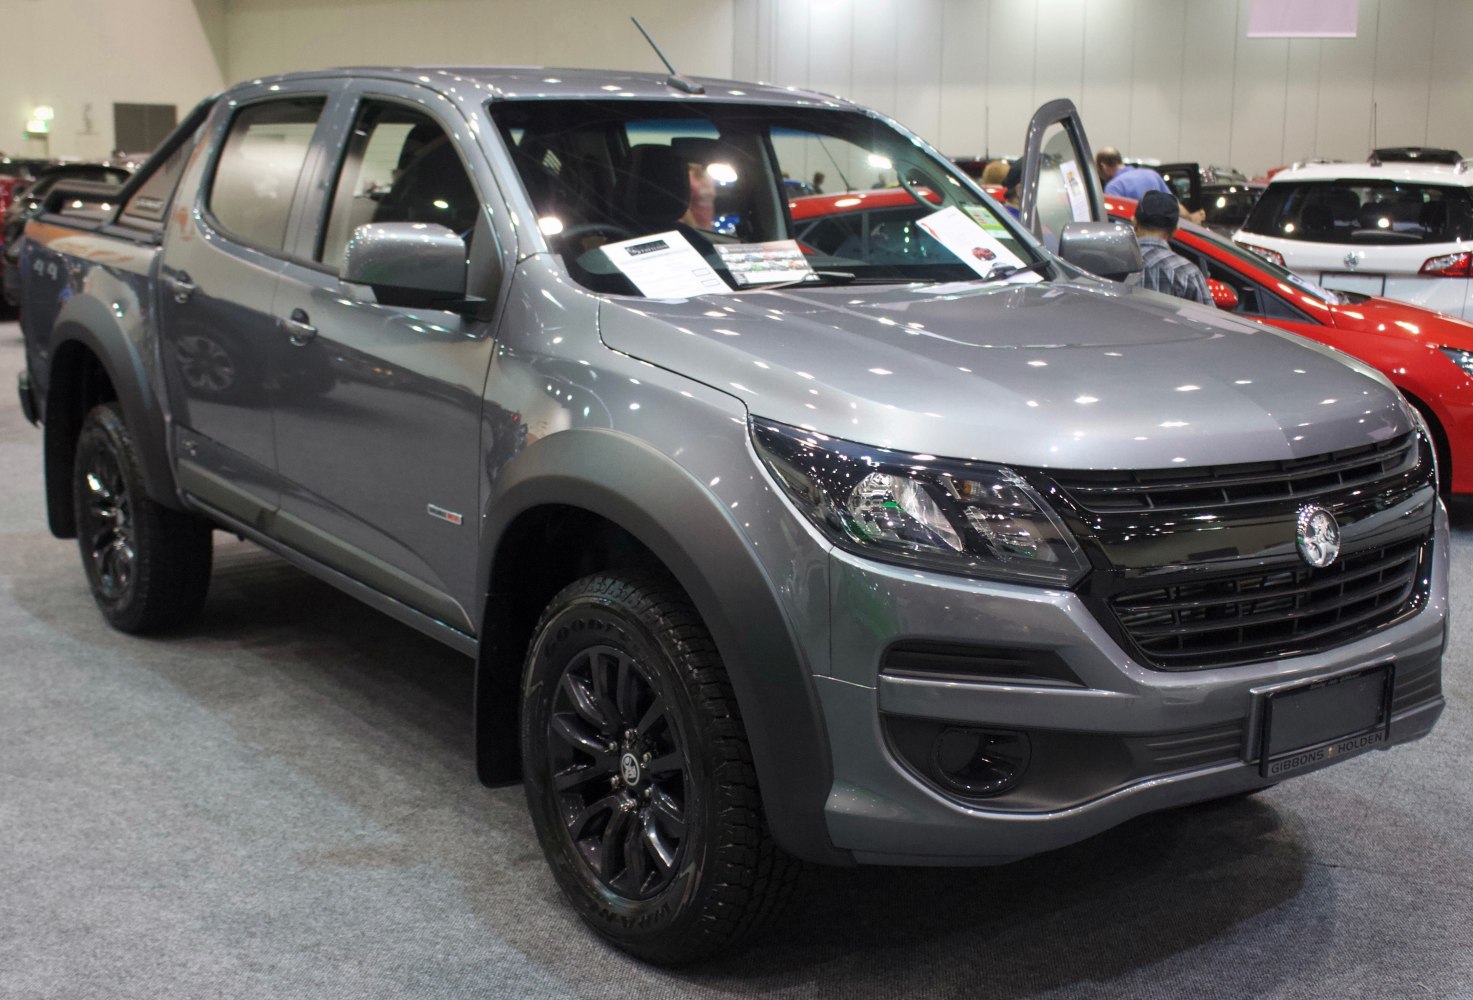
(973, 245)
(764, 263)
(1074, 188)
(665, 266)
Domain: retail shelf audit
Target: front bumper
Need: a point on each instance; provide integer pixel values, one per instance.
(1125, 739)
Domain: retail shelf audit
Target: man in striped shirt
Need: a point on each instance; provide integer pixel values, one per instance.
(1156, 216)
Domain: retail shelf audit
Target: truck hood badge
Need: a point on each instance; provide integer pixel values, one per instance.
(1317, 536)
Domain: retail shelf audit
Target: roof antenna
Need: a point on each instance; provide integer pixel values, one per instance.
(674, 79)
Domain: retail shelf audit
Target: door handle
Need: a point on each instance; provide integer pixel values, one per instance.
(299, 330)
(181, 286)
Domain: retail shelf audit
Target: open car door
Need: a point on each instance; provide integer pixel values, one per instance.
(1061, 201)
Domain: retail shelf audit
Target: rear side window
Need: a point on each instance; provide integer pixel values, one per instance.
(1387, 213)
(260, 163)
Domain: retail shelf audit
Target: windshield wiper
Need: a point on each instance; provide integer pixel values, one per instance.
(825, 279)
(1003, 271)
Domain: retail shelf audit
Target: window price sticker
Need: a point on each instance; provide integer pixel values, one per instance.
(971, 244)
(665, 266)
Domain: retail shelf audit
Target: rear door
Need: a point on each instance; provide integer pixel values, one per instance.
(1059, 183)
(224, 248)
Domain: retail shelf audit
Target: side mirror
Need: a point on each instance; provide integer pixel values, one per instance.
(1223, 295)
(407, 263)
(1106, 249)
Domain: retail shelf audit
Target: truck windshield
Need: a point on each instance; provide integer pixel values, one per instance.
(847, 187)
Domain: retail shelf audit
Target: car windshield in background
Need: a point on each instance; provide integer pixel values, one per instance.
(1363, 211)
(600, 172)
(1262, 263)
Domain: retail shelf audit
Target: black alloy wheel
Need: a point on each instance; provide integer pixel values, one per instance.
(105, 528)
(619, 767)
(148, 565)
(638, 774)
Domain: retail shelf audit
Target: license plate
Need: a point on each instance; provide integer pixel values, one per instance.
(1365, 284)
(1318, 723)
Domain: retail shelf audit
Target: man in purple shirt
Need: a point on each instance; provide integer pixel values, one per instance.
(1125, 181)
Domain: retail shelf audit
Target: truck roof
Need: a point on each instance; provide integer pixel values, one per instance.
(541, 82)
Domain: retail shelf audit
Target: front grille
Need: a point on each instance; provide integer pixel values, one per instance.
(1217, 486)
(1263, 614)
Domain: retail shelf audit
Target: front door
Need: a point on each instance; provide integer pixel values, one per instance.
(1060, 184)
(378, 407)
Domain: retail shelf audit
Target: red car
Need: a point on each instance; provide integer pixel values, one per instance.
(1427, 355)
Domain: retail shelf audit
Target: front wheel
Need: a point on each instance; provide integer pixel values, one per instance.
(638, 774)
(148, 566)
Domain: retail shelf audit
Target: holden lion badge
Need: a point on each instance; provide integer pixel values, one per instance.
(1318, 536)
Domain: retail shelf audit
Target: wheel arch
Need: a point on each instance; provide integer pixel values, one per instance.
(636, 507)
(86, 369)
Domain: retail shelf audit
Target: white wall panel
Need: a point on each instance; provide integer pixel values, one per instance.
(963, 58)
(1012, 32)
(1209, 46)
(1449, 116)
(1260, 75)
(1347, 68)
(80, 56)
(1301, 99)
(1155, 80)
(270, 36)
(1108, 77)
(1171, 79)
(918, 70)
(1403, 74)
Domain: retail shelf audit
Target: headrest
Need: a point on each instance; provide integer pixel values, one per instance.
(657, 185)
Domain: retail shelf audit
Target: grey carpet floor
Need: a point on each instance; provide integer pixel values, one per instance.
(279, 803)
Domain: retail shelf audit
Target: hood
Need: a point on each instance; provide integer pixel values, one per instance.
(1078, 375)
(1404, 321)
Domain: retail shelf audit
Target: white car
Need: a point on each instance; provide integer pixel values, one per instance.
(1402, 230)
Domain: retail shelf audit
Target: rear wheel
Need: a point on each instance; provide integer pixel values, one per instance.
(638, 774)
(148, 566)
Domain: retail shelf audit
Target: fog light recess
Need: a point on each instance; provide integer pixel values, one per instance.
(968, 762)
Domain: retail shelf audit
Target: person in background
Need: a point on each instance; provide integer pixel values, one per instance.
(1124, 181)
(996, 172)
(1156, 216)
(818, 179)
(1010, 192)
(702, 211)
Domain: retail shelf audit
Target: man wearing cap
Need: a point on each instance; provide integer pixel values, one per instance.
(1156, 215)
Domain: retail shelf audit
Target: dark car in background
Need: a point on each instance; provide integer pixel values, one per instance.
(26, 202)
(1224, 194)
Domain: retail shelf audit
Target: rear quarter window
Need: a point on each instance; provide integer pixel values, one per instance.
(1387, 213)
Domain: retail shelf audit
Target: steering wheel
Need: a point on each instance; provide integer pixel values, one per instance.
(918, 192)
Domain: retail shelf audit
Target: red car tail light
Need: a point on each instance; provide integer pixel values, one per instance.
(1265, 253)
(1449, 265)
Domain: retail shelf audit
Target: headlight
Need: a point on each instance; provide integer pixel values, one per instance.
(956, 517)
(1463, 359)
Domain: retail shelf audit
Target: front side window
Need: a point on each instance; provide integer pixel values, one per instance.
(1374, 212)
(258, 169)
(847, 187)
(400, 166)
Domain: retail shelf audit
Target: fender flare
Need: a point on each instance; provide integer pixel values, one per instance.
(627, 482)
(128, 374)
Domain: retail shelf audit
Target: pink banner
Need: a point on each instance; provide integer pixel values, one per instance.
(1302, 18)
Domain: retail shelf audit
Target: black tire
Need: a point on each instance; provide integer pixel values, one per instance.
(148, 566)
(653, 828)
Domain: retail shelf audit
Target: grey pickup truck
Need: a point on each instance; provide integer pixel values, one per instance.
(857, 526)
